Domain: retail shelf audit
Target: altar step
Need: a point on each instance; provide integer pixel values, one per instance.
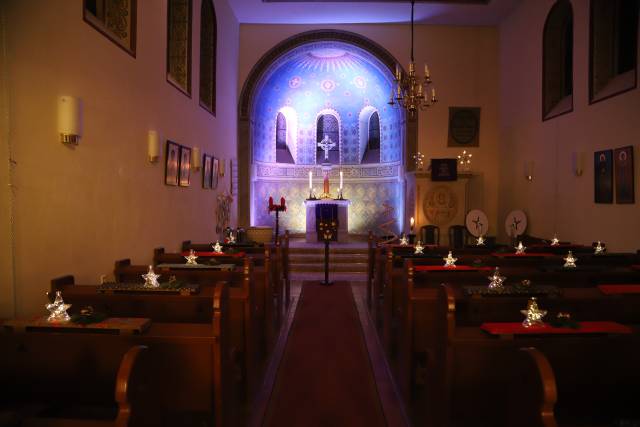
(344, 260)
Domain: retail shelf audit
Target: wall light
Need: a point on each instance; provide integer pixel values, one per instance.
(528, 170)
(153, 146)
(69, 119)
(577, 162)
(221, 167)
(196, 160)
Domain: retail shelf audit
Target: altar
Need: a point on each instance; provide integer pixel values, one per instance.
(343, 218)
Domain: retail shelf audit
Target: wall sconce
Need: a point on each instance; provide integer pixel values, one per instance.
(528, 170)
(196, 160)
(577, 162)
(153, 146)
(69, 119)
(221, 167)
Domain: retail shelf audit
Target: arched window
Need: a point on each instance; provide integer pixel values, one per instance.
(328, 127)
(374, 132)
(283, 154)
(208, 40)
(281, 132)
(613, 47)
(179, 44)
(557, 69)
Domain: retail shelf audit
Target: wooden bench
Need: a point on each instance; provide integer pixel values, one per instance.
(246, 330)
(44, 384)
(189, 377)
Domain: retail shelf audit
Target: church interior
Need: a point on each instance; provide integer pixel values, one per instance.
(319, 213)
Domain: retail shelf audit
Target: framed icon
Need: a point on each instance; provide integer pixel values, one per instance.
(185, 166)
(172, 160)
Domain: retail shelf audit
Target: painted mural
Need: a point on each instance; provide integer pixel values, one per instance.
(326, 102)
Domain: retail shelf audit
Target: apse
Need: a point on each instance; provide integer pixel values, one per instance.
(337, 92)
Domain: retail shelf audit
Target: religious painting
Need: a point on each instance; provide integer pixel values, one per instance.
(215, 173)
(171, 163)
(444, 169)
(207, 168)
(464, 127)
(185, 166)
(115, 19)
(603, 176)
(179, 44)
(623, 161)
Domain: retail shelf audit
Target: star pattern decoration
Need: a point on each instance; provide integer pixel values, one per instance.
(480, 241)
(58, 309)
(151, 279)
(217, 248)
(404, 241)
(533, 315)
(418, 248)
(450, 260)
(570, 260)
(599, 249)
(555, 241)
(496, 280)
(520, 248)
(191, 258)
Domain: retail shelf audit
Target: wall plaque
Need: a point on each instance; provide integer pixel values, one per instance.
(464, 127)
(444, 169)
(440, 205)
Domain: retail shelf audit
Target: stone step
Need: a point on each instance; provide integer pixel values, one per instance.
(319, 267)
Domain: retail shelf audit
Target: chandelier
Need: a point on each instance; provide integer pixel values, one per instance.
(412, 92)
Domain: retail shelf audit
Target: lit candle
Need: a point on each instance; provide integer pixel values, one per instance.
(433, 93)
(412, 223)
(310, 180)
(341, 180)
(426, 70)
(397, 71)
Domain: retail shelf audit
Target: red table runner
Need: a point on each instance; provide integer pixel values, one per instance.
(524, 255)
(603, 327)
(214, 254)
(456, 268)
(619, 289)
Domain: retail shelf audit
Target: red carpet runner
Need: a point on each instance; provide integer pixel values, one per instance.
(325, 376)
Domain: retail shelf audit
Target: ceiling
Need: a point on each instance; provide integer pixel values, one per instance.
(442, 12)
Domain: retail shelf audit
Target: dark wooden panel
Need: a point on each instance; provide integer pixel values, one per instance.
(381, 1)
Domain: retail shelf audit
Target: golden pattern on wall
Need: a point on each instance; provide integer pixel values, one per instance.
(116, 19)
(208, 41)
(179, 44)
(440, 205)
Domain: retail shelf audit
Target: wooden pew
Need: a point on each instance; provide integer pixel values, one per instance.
(546, 392)
(45, 385)
(189, 377)
(246, 331)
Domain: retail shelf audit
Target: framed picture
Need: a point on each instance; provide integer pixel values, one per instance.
(623, 162)
(603, 176)
(207, 167)
(444, 169)
(185, 166)
(172, 160)
(215, 172)
(464, 127)
(116, 20)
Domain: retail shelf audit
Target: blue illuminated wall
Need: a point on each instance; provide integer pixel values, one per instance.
(349, 83)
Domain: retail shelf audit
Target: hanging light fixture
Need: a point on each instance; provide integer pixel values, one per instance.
(412, 92)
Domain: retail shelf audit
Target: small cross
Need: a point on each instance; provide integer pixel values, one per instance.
(326, 144)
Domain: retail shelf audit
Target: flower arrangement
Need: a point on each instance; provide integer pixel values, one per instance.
(277, 208)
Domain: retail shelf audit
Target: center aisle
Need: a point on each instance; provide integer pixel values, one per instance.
(325, 376)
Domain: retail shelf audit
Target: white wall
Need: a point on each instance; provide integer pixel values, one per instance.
(557, 201)
(79, 209)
